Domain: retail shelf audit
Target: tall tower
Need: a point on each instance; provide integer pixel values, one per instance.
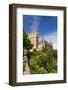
(33, 37)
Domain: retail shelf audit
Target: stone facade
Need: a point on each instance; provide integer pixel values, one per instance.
(34, 38)
(26, 68)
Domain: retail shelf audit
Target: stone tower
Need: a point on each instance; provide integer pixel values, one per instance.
(33, 37)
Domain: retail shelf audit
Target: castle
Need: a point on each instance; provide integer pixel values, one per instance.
(34, 39)
(38, 45)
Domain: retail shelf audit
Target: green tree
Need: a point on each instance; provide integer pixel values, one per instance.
(55, 53)
(42, 62)
(26, 42)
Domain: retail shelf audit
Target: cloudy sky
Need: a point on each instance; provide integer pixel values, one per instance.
(46, 26)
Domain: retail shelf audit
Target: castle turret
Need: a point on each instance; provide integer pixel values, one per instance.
(33, 37)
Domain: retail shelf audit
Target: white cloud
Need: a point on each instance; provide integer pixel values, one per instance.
(52, 37)
(35, 24)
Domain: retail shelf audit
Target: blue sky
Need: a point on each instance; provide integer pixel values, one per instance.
(46, 26)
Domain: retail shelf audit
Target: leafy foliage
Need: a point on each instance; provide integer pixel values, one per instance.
(26, 42)
(42, 62)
